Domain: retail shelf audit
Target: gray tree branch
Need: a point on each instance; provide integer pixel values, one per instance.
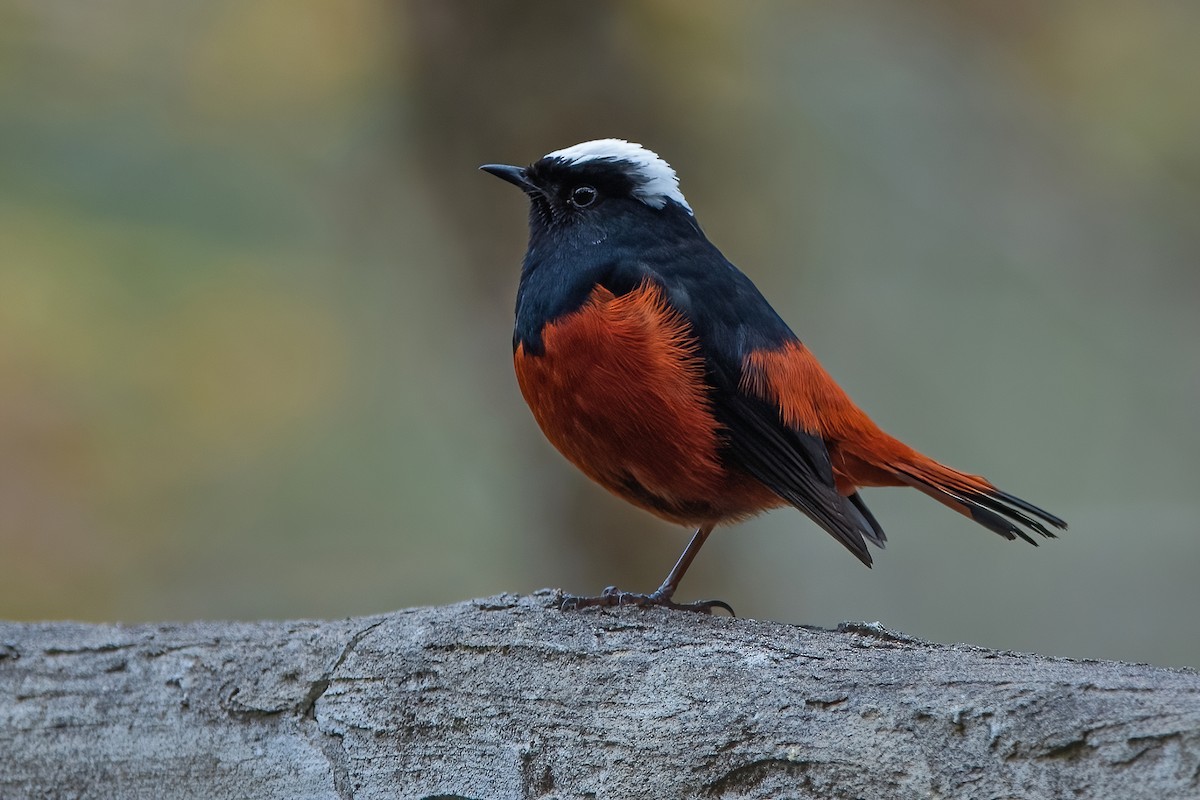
(507, 698)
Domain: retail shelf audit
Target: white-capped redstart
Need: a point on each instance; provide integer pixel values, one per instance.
(659, 370)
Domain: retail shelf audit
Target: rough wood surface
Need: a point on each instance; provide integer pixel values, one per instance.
(506, 698)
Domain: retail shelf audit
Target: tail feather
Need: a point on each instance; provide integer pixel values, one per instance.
(995, 503)
(974, 497)
(972, 509)
(803, 396)
(871, 529)
(1031, 508)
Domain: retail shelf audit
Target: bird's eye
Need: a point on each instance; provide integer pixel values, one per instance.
(583, 196)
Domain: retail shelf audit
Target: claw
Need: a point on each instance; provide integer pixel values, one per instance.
(707, 606)
(612, 596)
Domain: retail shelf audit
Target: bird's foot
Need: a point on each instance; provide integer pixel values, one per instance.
(612, 596)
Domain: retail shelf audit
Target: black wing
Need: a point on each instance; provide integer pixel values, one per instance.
(732, 319)
(796, 466)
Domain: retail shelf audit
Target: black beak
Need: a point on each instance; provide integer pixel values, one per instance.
(514, 175)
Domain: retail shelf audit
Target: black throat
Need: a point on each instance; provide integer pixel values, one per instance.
(616, 250)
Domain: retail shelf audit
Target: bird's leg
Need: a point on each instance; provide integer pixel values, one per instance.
(667, 590)
(612, 596)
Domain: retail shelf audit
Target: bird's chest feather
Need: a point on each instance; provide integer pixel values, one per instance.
(619, 389)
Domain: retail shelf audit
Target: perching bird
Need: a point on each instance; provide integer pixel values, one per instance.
(658, 369)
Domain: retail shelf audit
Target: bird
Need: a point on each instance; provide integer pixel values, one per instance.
(657, 368)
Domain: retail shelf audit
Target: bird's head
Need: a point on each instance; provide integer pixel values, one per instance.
(595, 186)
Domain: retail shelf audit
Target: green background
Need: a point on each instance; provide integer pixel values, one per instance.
(255, 300)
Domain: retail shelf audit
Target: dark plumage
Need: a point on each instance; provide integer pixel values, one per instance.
(657, 367)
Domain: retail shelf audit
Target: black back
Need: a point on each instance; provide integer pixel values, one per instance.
(619, 243)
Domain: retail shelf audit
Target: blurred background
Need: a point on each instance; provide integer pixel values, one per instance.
(255, 300)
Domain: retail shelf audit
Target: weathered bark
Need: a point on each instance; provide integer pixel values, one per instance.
(507, 698)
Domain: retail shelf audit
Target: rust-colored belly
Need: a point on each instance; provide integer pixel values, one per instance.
(619, 390)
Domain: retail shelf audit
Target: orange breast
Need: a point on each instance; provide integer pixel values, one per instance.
(619, 390)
